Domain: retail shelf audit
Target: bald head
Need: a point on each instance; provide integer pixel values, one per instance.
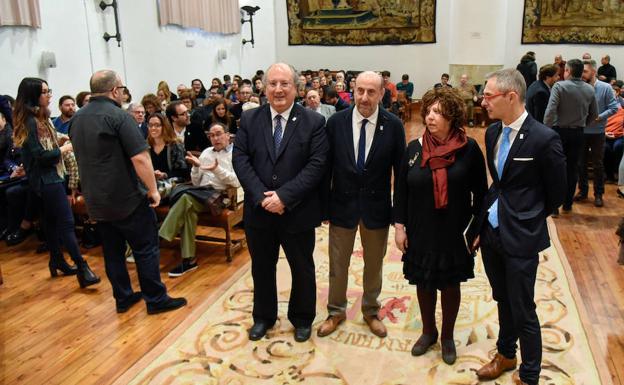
(281, 67)
(103, 81)
(370, 76)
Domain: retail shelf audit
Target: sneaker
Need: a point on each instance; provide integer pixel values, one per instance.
(183, 268)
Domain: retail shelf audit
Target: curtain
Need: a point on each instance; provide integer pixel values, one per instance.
(220, 16)
(20, 12)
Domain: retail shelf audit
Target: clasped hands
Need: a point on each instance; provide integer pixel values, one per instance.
(272, 203)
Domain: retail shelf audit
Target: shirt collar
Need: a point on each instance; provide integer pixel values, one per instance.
(226, 149)
(357, 117)
(517, 124)
(285, 114)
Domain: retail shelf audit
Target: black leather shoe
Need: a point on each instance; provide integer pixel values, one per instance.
(424, 342)
(124, 306)
(168, 305)
(598, 201)
(18, 236)
(86, 276)
(60, 264)
(580, 197)
(302, 333)
(258, 330)
(4, 233)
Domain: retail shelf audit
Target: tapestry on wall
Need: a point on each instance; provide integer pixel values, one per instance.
(360, 22)
(573, 22)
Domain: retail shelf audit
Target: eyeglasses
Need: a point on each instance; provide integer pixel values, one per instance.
(183, 113)
(490, 97)
(284, 85)
(47, 92)
(154, 125)
(119, 87)
(139, 112)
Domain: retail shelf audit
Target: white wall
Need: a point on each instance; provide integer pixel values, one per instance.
(482, 32)
(73, 30)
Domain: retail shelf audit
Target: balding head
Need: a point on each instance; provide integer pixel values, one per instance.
(371, 76)
(103, 81)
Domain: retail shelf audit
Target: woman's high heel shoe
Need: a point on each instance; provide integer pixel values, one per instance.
(59, 264)
(86, 276)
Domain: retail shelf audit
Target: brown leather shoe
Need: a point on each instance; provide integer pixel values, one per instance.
(496, 367)
(330, 324)
(516, 378)
(376, 326)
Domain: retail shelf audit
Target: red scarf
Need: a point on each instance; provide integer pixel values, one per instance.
(439, 154)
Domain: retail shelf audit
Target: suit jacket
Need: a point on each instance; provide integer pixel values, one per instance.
(532, 186)
(537, 100)
(327, 110)
(350, 196)
(294, 173)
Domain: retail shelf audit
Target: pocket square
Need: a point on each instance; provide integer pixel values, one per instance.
(523, 159)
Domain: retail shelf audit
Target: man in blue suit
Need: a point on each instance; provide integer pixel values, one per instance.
(528, 169)
(366, 145)
(280, 154)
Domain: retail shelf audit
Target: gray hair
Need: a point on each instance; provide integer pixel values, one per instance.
(590, 62)
(295, 75)
(103, 81)
(132, 106)
(371, 74)
(509, 79)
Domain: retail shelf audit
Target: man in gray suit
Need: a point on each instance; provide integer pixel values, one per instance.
(313, 102)
(571, 107)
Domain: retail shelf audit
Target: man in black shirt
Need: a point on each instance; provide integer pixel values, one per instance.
(606, 72)
(113, 160)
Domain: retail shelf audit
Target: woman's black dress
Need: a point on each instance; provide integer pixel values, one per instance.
(436, 256)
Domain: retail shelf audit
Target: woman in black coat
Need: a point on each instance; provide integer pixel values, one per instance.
(439, 188)
(41, 156)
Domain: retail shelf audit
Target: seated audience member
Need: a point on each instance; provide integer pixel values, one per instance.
(126, 99)
(406, 86)
(213, 170)
(468, 93)
(166, 150)
(200, 91)
(606, 72)
(227, 82)
(259, 88)
(390, 86)
(443, 82)
(351, 88)
(302, 81)
(82, 99)
(220, 114)
(138, 114)
(332, 99)
(255, 99)
(323, 81)
(614, 140)
(180, 88)
(316, 83)
(151, 103)
(187, 97)
(313, 102)
(344, 94)
(216, 82)
(231, 93)
(164, 95)
(67, 106)
(617, 88)
(538, 93)
(243, 97)
(191, 134)
(301, 91)
(340, 77)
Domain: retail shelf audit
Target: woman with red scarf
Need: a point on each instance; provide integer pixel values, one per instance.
(439, 188)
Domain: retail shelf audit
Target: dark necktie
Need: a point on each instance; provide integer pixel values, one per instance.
(362, 147)
(277, 134)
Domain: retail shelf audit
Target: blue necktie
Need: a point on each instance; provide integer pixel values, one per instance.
(503, 151)
(362, 147)
(277, 134)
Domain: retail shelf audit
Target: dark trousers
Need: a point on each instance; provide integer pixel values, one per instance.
(140, 231)
(572, 142)
(513, 285)
(59, 222)
(613, 156)
(19, 203)
(595, 143)
(264, 249)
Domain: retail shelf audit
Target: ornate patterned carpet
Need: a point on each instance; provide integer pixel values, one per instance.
(214, 349)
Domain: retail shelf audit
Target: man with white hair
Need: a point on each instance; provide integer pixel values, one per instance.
(367, 144)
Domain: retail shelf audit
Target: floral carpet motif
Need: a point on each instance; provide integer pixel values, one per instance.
(215, 349)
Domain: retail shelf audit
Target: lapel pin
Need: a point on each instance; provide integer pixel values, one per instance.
(521, 136)
(294, 118)
(380, 128)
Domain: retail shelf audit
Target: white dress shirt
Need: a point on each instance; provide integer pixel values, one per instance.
(515, 128)
(370, 130)
(221, 177)
(284, 115)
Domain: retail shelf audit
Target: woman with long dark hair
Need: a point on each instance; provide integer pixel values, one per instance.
(220, 114)
(42, 159)
(166, 151)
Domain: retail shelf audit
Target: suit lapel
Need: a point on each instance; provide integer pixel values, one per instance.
(491, 144)
(268, 134)
(291, 125)
(348, 134)
(518, 142)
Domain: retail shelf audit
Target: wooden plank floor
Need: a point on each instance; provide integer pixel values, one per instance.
(53, 332)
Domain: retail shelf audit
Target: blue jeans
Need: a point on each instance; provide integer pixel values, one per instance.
(140, 231)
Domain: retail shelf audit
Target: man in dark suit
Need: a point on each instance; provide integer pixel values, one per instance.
(280, 155)
(538, 93)
(527, 165)
(366, 145)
